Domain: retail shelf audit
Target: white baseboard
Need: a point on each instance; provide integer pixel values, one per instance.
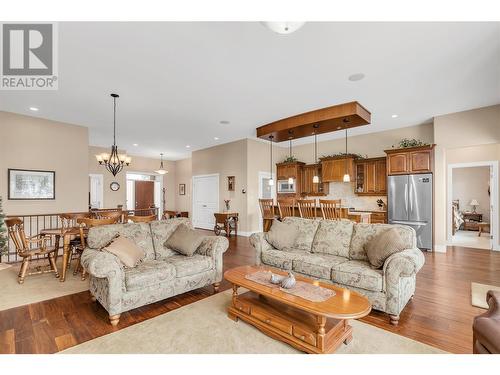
(440, 248)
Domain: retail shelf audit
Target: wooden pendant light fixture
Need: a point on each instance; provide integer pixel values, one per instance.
(325, 120)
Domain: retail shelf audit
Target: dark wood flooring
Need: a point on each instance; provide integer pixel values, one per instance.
(440, 313)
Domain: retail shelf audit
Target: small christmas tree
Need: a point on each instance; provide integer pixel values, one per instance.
(3, 231)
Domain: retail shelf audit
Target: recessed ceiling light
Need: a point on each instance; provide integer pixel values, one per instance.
(135, 145)
(34, 109)
(394, 116)
(356, 77)
(224, 122)
(188, 146)
(216, 138)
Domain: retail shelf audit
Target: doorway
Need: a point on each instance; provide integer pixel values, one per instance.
(144, 190)
(473, 205)
(205, 200)
(96, 193)
(266, 191)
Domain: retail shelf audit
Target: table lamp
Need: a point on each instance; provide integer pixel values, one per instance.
(474, 203)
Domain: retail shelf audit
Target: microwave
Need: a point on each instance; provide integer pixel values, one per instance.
(285, 187)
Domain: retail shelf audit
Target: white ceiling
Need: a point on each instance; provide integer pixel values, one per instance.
(177, 81)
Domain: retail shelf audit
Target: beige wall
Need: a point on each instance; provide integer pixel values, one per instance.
(463, 137)
(472, 183)
(32, 143)
(139, 164)
(183, 175)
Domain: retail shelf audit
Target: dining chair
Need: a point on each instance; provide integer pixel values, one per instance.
(68, 221)
(267, 211)
(115, 214)
(286, 208)
(141, 219)
(26, 250)
(307, 208)
(85, 224)
(330, 208)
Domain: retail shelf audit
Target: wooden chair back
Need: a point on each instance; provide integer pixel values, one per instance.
(87, 223)
(15, 228)
(266, 208)
(118, 215)
(141, 219)
(286, 208)
(330, 208)
(307, 208)
(69, 220)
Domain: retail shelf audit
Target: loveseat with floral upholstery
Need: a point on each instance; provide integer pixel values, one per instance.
(334, 251)
(162, 273)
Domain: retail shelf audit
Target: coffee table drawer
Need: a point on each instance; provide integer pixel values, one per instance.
(272, 320)
(304, 335)
(242, 307)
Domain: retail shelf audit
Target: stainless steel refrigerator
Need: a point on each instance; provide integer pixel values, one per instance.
(410, 203)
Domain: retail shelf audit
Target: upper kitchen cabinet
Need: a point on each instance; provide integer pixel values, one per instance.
(410, 160)
(371, 178)
(284, 171)
(334, 168)
(309, 188)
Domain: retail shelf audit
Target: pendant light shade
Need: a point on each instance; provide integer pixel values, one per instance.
(161, 170)
(271, 181)
(347, 177)
(315, 177)
(290, 179)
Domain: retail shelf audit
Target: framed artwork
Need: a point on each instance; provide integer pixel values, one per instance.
(25, 184)
(182, 189)
(230, 183)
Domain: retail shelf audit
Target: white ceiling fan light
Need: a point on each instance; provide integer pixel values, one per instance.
(283, 27)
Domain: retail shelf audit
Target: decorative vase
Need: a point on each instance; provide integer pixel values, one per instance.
(288, 282)
(276, 279)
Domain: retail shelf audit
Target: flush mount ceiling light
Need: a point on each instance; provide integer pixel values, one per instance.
(356, 77)
(283, 27)
(216, 138)
(114, 162)
(161, 170)
(135, 145)
(224, 122)
(188, 146)
(394, 116)
(34, 109)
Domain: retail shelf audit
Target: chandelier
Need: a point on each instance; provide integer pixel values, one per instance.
(161, 170)
(114, 162)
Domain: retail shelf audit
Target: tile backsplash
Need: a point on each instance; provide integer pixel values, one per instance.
(345, 191)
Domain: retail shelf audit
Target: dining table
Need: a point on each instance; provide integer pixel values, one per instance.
(67, 234)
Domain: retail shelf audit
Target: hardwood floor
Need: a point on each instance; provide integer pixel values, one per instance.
(440, 313)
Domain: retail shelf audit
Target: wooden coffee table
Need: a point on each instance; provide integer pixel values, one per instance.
(313, 327)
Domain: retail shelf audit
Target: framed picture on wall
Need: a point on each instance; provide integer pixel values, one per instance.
(230, 183)
(25, 184)
(182, 189)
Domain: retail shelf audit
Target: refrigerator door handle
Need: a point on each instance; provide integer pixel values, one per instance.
(406, 198)
(416, 223)
(411, 201)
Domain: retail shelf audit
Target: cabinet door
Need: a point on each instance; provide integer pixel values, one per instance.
(420, 161)
(381, 177)
(370, 178)
(327, 167)
(397, 163)
(360, 178)
(280, 172)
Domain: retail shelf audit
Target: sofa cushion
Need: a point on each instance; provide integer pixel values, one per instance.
(383, 246)
(282, 235)
(333, 237)
(184, 240)
(317, 265)
(366, 232)
(147, 273)
(139, 233)
(161, 231)
(126, 250)
(307, 230)
(187, 266)
(358, 274)
(282, 259)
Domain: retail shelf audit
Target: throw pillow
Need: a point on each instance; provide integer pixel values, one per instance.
(126, 250)
(281, 235)
(184, 240)
(383, 246)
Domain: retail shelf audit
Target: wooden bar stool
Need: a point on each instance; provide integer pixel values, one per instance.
(267, 211)
(330, 208)
(307, 208)
(286, 208)
(141, 219)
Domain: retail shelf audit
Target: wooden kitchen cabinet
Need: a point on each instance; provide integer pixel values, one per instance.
(410, 160)
(308, 187)
(294, 170)
(371, 178)
(333, 169)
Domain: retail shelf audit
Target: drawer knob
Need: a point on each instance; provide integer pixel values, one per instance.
(241, 308)
(268, 321)
(302, 337)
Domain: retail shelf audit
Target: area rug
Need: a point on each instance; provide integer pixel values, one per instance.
(478, 294)
(204, 328)
(36, 288)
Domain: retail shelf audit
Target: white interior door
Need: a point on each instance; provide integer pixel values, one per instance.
(205, 200)
(96, 191)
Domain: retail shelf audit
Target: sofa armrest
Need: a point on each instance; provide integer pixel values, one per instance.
(258, 241)
(403, 264)
(214, 247)
(102, 264)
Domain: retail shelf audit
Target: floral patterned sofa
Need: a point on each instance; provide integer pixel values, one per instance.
(163, 273)
(333, 251)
